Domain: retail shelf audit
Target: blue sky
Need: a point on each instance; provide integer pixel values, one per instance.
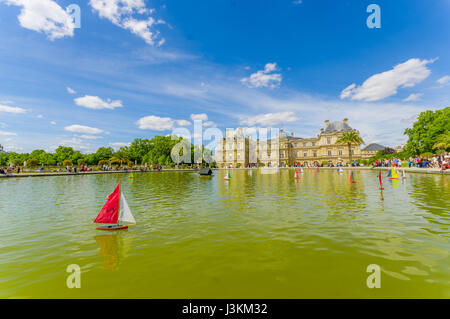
(140, 68)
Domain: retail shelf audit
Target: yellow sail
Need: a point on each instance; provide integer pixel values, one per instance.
(394, 173)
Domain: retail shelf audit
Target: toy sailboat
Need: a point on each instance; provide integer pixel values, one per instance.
(403, 174)
(393, 174)
(114, 211)
(227, 176)
(381, 183)
(351, 178)
(301, 170)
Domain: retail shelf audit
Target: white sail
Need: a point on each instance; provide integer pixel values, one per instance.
(125, 212)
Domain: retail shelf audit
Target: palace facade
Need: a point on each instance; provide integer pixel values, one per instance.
(237, 150)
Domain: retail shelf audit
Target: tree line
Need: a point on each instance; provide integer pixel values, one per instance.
(157, 150)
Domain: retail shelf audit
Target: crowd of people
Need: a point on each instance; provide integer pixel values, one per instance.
(436, 161)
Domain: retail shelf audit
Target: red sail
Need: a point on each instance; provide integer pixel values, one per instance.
(110, 212)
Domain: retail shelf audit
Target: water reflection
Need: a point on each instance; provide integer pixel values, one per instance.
(115, 247)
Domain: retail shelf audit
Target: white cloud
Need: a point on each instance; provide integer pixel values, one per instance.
(264, 78)
(120, 12)
(96, 103)
(53, 123)
(383, 85)
(297, 2)
(444, 79)
(12, 109)
(413, 97)
(76, 143)
(155, 123)
(44, 16)
(40, 116)
(3, 133)
(90, 137)
(83, 129)
(199, 117)
(270, 119)
(182, 122)
(117, 145)
(70, 90)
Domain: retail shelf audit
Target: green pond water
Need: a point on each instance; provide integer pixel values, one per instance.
(256, 236)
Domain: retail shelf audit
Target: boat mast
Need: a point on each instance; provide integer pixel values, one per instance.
(118, 213)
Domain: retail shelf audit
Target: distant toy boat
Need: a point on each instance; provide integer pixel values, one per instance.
(393, 174)
(351, 178)
(301, 170)
(403, 174)
(115, 210)
(381, 183)
(227, 176)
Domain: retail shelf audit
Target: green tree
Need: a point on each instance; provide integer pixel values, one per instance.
(429, 127)
(63, 153)
(104, 153)
(67, 163)
(350, 138)
(32, 162)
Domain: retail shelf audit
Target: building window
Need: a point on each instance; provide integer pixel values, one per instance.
(296, 154)
(281, 154)
(313, 143)
(340, 152)
(329, 152)
(239, 155)
(315, 154)
(305, 154)
(230, 156)
(304, 144)
(353, 151)
(328, 140)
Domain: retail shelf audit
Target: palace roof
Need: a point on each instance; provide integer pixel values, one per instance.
(338, 126)
(373, 147)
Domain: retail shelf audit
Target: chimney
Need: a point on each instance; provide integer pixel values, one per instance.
(346, 121)
(327, 123)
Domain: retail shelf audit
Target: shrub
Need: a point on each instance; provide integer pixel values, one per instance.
(324, 163)
(67, 163)
(426, 155)
(102, 162)
(238, 165)
(32, 162)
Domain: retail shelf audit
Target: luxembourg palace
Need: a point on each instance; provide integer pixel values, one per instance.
(236, 150)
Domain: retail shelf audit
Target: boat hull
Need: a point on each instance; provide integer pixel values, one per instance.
(112, 227)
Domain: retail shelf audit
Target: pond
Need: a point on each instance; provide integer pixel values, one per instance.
(255, 236)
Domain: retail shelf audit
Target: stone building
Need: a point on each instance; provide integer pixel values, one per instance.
(237, 150)
(371, 150)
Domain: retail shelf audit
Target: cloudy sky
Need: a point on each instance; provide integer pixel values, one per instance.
(138, 68)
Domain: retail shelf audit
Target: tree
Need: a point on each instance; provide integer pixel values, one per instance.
(442, 143)
(63, 153)
(67, 163)
(104, 153)
(350, 138)
(32, 162)
(429, 127)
